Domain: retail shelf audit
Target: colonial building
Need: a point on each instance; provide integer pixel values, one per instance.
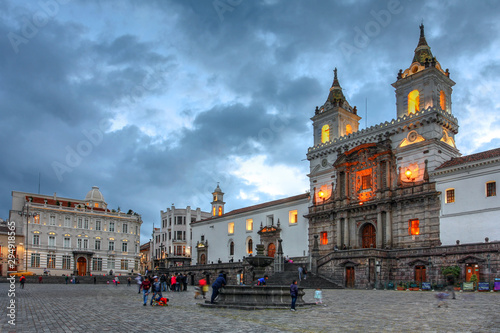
(74, 236)
(12, 258)
(173, 241)
(372, 192)
(470, 207)
(231, 236)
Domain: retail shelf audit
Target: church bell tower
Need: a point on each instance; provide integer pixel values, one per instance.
(218, 202)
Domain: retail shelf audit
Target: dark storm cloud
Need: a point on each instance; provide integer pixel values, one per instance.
(270, 62)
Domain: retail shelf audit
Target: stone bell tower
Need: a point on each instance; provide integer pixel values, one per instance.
(218, 202)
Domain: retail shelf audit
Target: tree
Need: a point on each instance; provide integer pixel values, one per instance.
(453, 270)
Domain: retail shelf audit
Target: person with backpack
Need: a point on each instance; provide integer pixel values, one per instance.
(146, 284)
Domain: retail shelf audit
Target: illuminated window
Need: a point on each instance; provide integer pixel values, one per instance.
(491, 189)
(442, 100)
(215, 197)
(292, 216)
(366, 182)
(249, 224)
(413, 227)
(124, 264)
(220, 210)
(35, 260)
(96, 204)
(213, 211)
(36, 219)
(66, 262)
(348, 129)
(250, 246)
(231, 249)
(230, 228)
(51, 261)
(413, 102)
(325, 134)
(323, 238)
(450, 195)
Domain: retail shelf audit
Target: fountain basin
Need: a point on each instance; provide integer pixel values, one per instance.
(256, 297)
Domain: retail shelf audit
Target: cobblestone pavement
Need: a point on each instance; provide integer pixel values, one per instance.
(106, 308)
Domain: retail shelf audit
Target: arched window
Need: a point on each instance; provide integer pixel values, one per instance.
(231, 249)
(442, 100)
(250, 246)
(271, 250)
(220, 210)
(413, 102)
(213, 211)
(325, 134)
(348, 129)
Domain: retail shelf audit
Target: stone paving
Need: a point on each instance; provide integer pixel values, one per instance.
(106, 308)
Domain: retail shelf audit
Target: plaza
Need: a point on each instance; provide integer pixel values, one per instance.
(106, 308)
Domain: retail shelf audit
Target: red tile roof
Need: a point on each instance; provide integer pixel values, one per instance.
(470, 158)
(259, 206)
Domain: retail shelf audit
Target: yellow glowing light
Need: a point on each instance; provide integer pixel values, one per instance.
(413, 102)
(321, 194)
(408, 173)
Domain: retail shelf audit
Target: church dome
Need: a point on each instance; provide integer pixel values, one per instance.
(94, 195)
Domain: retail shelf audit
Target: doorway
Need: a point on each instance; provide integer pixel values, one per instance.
(271, 250)
(368, 236)
(471, 269)
(349, 277)
(420, 275)
(81, 266)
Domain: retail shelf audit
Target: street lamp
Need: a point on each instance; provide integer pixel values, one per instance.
(26, 240)
(161, 254)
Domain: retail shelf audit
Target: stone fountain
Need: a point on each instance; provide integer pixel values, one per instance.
(256, 297)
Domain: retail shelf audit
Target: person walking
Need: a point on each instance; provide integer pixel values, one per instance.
(116, 281)
(451, 285)
(163, 281)
(66, 279)
(40, 279)
(139, 280)
(129, 279)
(305, 272)
(301, 271)
(95, 280)
(185, 281)
(294, 291)
(146, 284)
(173, 281)
(22, 280)
(219, 283)
(318, 296)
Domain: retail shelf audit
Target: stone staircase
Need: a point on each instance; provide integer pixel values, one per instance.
(291, 273)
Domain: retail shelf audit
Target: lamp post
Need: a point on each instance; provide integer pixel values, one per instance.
(26, 240)
(489, 270)
(161, 254)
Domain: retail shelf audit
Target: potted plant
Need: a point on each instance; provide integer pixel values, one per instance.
(474, 280)
(401, 286)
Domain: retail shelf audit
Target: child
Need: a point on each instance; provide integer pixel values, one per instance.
(318, 296)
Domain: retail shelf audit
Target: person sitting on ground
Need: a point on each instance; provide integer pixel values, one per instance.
(262, 281)
(156, 289)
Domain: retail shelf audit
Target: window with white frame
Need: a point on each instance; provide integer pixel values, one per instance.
(79, 243)
(52, 241)
(67, 242)
(52, 220)
(98, 225)
(51, 261)
(97, 264)
(125, 228)
(111, 263)
(124, 247)
(97, 244)
(36, 240)
(80, 223)
(67, 221)
(230, 228)
(124, 264)
(35, 260)
(66, 262)
(111, 246)
(86, 223)
(85, 243)
(112, 226)
(292, 217)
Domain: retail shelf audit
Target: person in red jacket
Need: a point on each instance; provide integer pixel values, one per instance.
(22, 280)
(173, 281)
(146, 284)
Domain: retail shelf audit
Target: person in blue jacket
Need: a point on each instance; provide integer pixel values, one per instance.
(219, 283)
(262, 280)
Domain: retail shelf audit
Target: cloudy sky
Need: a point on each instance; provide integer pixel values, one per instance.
(157, 101)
